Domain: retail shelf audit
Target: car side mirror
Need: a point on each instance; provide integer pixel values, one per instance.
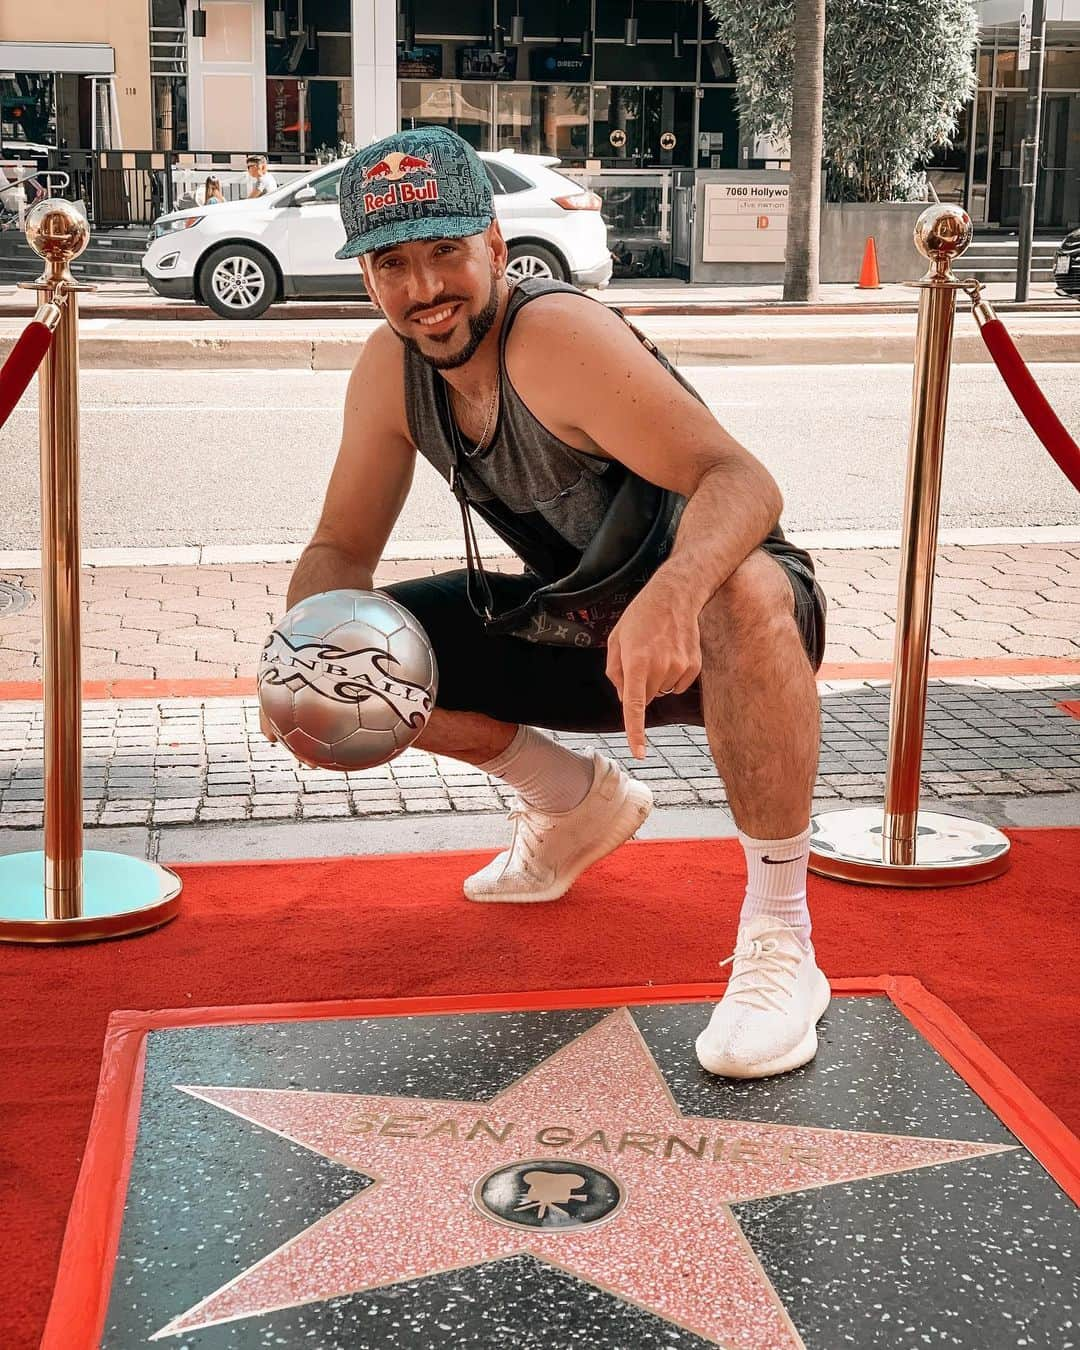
(304, 194)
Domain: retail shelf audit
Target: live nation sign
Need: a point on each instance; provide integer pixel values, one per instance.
(745, 222)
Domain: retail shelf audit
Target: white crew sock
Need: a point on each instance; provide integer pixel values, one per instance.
(776, 881)
(545, 775)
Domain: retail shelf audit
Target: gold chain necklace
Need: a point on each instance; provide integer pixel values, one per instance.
(482, 442)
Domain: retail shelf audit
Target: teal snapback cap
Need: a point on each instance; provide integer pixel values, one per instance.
(424, 184)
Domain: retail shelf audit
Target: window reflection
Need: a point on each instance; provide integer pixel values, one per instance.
(544, 119)
(1062, 69)
(636, 219)
(308, 117)
(1005, 70)
(27, 110)
(465, 109)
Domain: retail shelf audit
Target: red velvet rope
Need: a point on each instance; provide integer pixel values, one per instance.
(23, 360)
(1032, 401)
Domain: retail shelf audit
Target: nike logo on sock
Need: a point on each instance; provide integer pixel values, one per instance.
(776, 862)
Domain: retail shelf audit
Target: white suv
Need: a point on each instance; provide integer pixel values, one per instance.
(239, 257)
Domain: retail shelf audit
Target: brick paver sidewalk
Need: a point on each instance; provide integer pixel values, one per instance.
(210, 621)
(177, 761)
(168, 761)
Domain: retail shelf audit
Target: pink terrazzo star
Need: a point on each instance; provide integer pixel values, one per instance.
(672, 1246)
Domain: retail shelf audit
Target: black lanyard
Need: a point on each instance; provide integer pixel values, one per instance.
(477, 582)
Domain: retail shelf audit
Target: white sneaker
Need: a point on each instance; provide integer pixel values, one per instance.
(550, 850)
(766, 1021)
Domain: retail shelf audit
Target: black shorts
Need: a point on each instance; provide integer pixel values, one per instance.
(562, 688)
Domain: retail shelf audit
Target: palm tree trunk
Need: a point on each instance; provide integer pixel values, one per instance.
(801, 271)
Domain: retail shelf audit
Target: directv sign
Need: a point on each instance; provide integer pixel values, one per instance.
(554, 66)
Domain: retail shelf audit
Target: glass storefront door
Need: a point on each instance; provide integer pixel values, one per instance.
(1052, 192)
(636, 125)
(1057, 178)
(328, 115)
(979, 160)
(1004, 196)
(285, 130)
(304, 116)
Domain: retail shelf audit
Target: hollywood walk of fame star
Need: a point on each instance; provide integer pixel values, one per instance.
(596, 1111)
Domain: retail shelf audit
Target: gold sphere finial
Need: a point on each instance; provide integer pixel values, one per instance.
(943, 232)
(57, 230)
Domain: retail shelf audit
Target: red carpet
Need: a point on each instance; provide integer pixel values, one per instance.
(997, 954)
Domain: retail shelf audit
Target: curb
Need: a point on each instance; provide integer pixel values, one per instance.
(853, 349)
(451, 553)
(940, 668)
(99, 351)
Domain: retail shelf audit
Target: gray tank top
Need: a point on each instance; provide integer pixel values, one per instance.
(543, 497)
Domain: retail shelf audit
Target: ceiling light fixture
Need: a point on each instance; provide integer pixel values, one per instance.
(630, 35)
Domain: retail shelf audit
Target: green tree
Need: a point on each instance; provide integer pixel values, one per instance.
(897, 73)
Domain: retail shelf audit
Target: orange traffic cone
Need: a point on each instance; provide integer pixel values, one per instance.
(868, 274)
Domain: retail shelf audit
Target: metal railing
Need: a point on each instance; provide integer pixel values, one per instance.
(65, 893)
(901, 845)
(134, 187)
(14, 202)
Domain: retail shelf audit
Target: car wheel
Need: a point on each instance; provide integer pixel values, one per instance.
(533, 260)
(237, 282)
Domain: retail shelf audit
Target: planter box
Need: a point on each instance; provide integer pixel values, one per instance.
(845, 228)
(722, 257)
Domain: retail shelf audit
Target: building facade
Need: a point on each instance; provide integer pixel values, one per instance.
(291, 76)
(632, 91)
(73, 72)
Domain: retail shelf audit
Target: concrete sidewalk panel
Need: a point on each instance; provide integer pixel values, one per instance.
(134, 842)
(254, 841)
(412, 834)
(336, 353)
(174, 352)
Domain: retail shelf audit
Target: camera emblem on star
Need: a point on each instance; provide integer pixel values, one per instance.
(548, 1193)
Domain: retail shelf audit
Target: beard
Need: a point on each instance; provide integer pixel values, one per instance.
(479, 327)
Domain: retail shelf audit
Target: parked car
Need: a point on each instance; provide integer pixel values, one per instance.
(239, 257)
(1067, 265)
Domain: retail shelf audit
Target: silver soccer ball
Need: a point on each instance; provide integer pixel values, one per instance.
(347, 679)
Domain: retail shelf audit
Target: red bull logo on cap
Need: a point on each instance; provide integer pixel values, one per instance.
(396, 167)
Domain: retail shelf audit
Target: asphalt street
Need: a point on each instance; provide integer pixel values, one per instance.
(172, 458)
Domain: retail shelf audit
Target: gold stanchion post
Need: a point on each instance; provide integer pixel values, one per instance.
(903, 846)
(62, 894)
